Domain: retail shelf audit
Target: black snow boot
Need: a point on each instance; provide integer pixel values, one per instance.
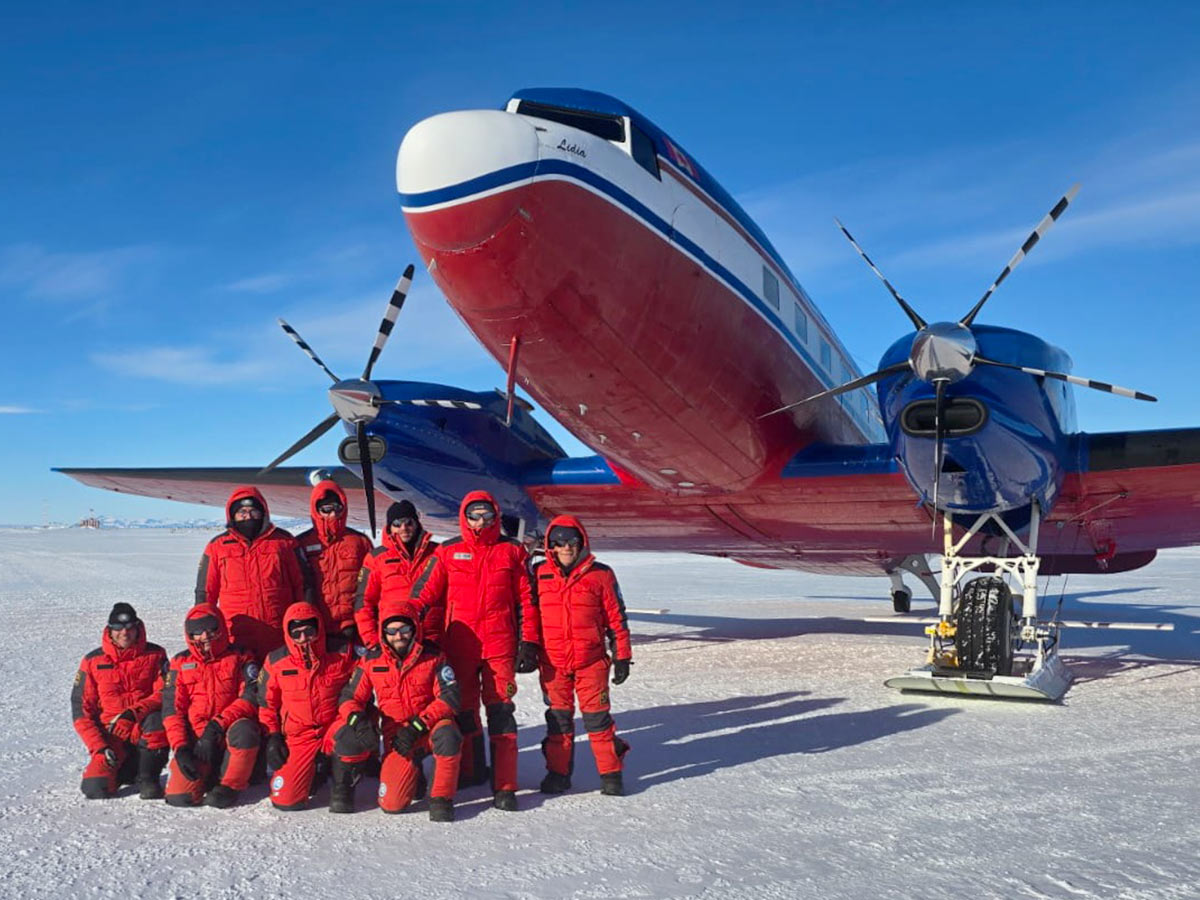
(505, 800)
(441, 809)
(422, 784)
(150, 766)
(221, 797)
(258, 775)
(341, 795)
(612, 784)
(555, 783)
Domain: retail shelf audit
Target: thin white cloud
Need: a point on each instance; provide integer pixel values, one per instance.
(184, 365)
(261, 284)
(15, 410)
(43, 274)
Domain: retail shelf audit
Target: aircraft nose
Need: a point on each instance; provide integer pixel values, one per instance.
(460, 175)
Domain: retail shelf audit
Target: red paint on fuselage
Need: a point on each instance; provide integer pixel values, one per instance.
(631, 345)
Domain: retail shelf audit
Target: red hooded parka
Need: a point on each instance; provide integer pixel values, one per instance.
(335, 555)
(389, 572)
(111, 681)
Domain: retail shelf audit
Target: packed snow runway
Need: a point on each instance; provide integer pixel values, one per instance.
(767, 760)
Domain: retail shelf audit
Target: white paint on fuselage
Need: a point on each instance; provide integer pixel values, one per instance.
(486, 141)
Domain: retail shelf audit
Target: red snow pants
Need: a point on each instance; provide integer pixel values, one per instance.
(493, 680)
(590, 684)
(241, 749)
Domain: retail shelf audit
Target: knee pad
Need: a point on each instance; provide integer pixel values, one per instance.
(95, 788)
(243, 735)
(152, 722)
(348, 742)
(560, 721)
(501, 718)
(446, 740)
(597, 721)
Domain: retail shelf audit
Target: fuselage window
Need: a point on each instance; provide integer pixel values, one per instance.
(826, 356)
(770, 287)
(801, 324)
(643, 151)
(611, 128)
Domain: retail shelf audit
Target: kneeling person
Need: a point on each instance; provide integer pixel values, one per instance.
(209, 713)
(298, 691)
(417, 696)
(117, 707)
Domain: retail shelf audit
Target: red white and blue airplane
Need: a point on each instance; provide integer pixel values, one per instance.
(642, 308)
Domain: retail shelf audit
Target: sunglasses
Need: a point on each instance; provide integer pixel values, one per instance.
(569, 542)
(329, 509)
(484, 517)
(400, 523)
(398, 630)
(197, 627)
(122, 626)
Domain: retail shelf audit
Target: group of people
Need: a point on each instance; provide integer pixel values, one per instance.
(323, 658)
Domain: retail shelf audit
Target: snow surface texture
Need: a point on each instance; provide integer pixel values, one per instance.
(768, 760)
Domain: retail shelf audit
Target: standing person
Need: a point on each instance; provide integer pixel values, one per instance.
(391, 569)
(209, 714)
(117, 707)
(298, 690)
(581, 612)
(417, 695)
(253, 571)
(478, 586)
(334, 554)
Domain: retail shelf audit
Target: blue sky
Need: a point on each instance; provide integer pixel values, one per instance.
(174, 180)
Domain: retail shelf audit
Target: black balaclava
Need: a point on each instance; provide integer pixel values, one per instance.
(247, 528)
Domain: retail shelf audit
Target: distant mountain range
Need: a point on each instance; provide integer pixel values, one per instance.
(110, 522)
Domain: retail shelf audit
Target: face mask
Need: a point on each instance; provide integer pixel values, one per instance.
(248, 528)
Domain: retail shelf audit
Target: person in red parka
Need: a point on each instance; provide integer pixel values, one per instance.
(477, 588)
(298, 690)
(582, 613)
(253, 571)
(335, 555)
(209, 713)
(391, 569)
(417, 695)
(117, 707)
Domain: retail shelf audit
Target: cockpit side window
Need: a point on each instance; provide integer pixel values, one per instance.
(610, 128)
(643, 151)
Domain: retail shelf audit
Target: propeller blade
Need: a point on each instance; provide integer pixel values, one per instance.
(364, 459)
(917, 321)
(1038, 233)
(938, 438)
(445, 404)
(295, 336)
(1073, 379)
(389, 319)
(848, 386)
(302, 443)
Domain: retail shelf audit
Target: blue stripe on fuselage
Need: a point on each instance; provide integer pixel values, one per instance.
(623, 198)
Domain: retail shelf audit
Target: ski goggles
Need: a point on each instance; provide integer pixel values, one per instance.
(201, 625)
(329, 507)
(486, 516)
(399, 629)
(122, 626)
(566, 542)
(303, 628)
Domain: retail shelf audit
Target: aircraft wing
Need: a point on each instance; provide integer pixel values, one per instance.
(286, 488)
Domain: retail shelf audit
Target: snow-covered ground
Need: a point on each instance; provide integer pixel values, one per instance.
(767, 761)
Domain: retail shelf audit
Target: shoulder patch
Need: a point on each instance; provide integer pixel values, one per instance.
(279, 653)
(446, 674)
(251, 671)
(79, 676)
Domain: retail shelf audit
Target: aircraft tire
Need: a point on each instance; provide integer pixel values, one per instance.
(902, 600)
(985, 623)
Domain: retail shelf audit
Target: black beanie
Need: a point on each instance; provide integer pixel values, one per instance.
(122, 614)
(402, 510)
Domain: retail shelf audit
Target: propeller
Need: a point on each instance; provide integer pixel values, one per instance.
(943, 353)
(358, 400)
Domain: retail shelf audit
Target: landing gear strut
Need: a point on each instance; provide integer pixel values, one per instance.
(972, 644)
(918, 565)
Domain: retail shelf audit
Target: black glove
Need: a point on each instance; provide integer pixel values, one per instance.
(187, 762)
(406, 738)
(527, 656)
(364, 732)
(277, 752)
(621, 670)
(208, 748)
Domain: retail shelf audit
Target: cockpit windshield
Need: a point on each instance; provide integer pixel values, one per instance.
(610, 128)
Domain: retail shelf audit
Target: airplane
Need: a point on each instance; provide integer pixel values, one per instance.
(627, 293)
